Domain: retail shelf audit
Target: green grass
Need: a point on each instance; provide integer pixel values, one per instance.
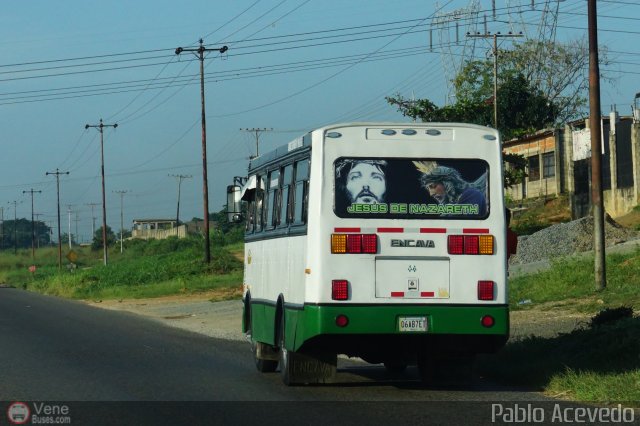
(145, 269)
(596, 363)
(570, 283)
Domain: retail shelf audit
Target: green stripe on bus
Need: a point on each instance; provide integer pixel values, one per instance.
(371, 319)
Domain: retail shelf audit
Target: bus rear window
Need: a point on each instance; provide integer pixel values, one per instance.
(401, 188)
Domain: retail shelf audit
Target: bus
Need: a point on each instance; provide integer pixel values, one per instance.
(380, 241)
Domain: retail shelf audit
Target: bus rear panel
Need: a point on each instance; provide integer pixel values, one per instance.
(401, 256)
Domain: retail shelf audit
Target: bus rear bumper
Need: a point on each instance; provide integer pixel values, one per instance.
(451, 328)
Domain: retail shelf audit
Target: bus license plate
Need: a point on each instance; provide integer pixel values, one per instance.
(412, 324)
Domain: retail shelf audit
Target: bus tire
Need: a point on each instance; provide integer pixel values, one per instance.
(263, 365)
(297, 368)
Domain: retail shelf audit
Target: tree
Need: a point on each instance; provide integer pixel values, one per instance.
(96, 244)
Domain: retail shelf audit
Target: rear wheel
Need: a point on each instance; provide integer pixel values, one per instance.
(260, 350)
(301, 368)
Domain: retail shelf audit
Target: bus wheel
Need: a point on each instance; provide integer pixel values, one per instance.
(301, 368)
(265, 358)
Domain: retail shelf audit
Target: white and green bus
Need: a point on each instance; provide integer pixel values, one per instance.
(383, 241)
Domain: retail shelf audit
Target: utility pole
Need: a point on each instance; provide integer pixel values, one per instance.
(37, 216)
(57, 174)
(200, 51)
(180, 178)
(76, 220)
(69, 234)
(100, 128)
(121, 192)
(596, 156)
(495, 66)
(15, 225)
(33, 228)
(257, 132)
(93, 219)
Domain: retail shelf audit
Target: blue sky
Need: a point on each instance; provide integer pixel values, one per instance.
(292, 65)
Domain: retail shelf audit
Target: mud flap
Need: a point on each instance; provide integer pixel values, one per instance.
(308, 368)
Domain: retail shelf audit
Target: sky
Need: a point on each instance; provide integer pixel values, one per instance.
(291, 66)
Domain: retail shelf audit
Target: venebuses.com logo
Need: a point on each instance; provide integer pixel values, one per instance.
(18, 413)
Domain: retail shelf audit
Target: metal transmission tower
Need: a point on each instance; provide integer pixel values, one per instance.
(33, 226)
(199, 52)
(451, 28)
(100, 128)
(57, 174)
(536, 19)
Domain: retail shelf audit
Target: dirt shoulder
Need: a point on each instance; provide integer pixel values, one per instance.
(197, 313)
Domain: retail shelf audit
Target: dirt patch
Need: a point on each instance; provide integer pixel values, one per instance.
(208, 313)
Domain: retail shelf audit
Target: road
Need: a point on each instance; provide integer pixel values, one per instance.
(59, 350)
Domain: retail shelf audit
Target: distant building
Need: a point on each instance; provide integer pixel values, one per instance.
(157, 229)
(559, 162)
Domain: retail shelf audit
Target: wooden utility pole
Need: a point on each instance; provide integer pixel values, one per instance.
(121, 192)
(57, 174)
(180, 178)
(15, 225)
(257, 132)
(596, 155)
(100, 128)
(495, 66)
(200, 51)
(33, 228)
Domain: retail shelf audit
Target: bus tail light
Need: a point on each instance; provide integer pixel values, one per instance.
(339, 289)
(485, 290)
(342, 320)
(354, 243)
(470, 244)
(487, 321)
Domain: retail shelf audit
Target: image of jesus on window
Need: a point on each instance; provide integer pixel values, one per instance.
(446, 185)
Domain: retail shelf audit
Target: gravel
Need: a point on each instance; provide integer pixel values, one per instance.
(565, 239)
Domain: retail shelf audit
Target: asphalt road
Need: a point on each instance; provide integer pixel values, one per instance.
(59, 350)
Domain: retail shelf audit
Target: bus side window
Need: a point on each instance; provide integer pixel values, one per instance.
(272, 199)
(260, 187)
(285, 196)
(299, 205)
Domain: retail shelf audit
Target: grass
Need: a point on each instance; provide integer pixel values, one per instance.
(145, 269)
(572, 279)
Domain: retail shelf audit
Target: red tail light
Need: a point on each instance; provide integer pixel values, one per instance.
(487, 321)
(339, 289)
(354, 243)
(370, 243)
(485, 290)
(470, 244)
(456, 244)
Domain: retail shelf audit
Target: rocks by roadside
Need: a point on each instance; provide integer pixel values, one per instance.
(566, 239)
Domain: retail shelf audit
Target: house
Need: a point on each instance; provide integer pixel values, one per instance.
(559, 162)
(157, 229)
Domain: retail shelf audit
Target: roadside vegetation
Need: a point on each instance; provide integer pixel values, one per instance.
(599, 361)
(145, 269)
